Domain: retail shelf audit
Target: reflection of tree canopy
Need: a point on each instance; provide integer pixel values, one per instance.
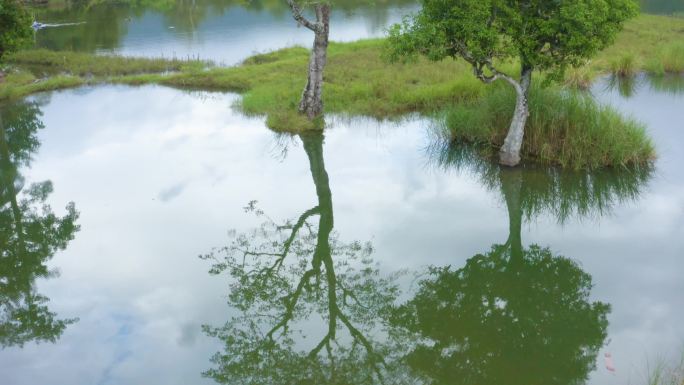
(289, 278)
(628, 86)
(558, 192)
(515, 315)
(103, 28)
(505, 319)
(30, 234)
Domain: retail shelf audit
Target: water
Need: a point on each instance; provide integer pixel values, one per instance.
(160, 177)
(157, 189)
(223, 31)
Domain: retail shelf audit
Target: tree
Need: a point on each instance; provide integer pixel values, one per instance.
(30, 234)
(298, 272)
(541, 35)
(311, 103)
(15, 27)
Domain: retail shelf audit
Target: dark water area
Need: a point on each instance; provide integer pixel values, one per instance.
(663, 7)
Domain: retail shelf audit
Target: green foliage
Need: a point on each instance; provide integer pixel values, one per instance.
(542, 35)
(514, 317)
(568, 129)
(15, 27)
(30, 234)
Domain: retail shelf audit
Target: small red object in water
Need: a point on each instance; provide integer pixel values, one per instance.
(609, 362)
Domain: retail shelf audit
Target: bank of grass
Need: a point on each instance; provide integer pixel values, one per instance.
(565, 128)
(648, 43)
(357, 82)
(89, 65)
(41, 70)
(646, 40)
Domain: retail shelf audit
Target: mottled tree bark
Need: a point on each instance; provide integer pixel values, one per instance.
(509, 154)
(311, 102)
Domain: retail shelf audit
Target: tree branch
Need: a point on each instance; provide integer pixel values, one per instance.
(301, 19)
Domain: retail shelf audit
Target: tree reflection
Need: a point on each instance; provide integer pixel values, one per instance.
(535, 190)
(106, 22)
(30, 234)
(290, 279)
(515, 315)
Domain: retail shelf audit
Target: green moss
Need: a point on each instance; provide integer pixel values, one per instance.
(565, 128)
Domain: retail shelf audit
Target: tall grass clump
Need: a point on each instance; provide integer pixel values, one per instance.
(565, 128)
(668, 59)
(625, 65)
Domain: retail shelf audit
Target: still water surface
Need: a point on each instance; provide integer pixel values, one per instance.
(161, 176)
(225, 31)
(539, 273)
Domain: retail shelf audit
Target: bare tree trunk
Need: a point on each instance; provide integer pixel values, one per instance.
(312, 97)
(509, 155)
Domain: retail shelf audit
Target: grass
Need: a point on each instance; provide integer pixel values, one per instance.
(668, 59)
(41, 70)
(648, 41)
(565, 128)
(359, 82)
(666, 374)
(625, 65)
(84, 64)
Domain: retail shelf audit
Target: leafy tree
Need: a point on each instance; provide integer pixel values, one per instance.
(286, 275)
(540, 34)
(30, 234)
(15, 26)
